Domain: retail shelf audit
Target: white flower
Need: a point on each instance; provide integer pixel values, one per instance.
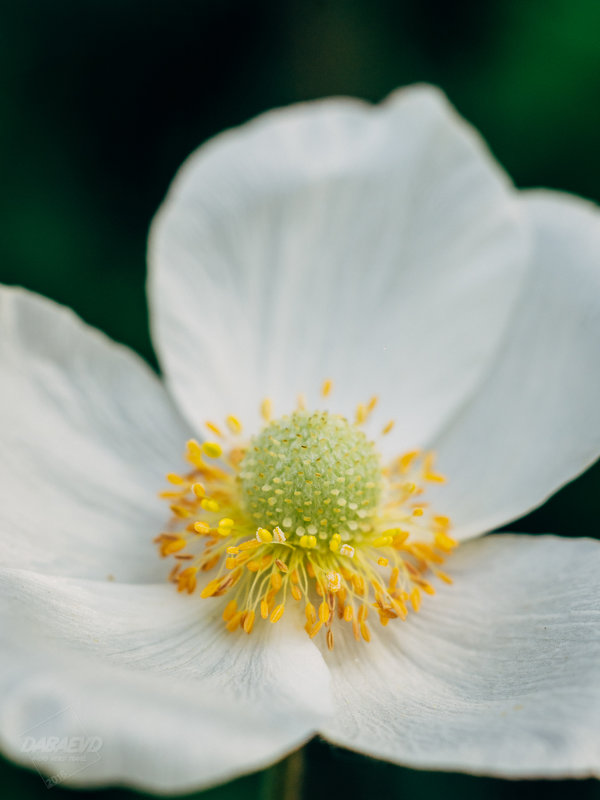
(381, 248)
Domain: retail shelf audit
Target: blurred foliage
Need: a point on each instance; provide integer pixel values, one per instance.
(101, 101)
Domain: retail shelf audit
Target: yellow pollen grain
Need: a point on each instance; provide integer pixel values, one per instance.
(214, 429)
(383, 562)
(334, 581)
(311, 614)
(445, 542)
(194, 453)
(388, 427)
(209, 505)
(264, 608)
(312, 631)
(234, 425)
(183, 512)
(296, 593)
(230, 610)
(276, 581)
(277, 613)
(405, 461)
(201, 527)
(167, 495)
(210, 588)
(175, 479)
(212, 449)
(278, 535)
(199, 490)
(361, 414)
(415, 599)
(249, 621)
(207, 564)
(323, 612)
(429, 474)
(172, 546)
(249, 545)
(264, 536)
(383, 541)
(266, 409)
(234, 622)
(326, 388)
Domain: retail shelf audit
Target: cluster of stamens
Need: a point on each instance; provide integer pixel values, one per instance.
(305, 510)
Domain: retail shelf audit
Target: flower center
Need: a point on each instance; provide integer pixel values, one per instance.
(304, 512)
(312, 474)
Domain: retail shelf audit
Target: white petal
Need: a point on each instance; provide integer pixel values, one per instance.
(177, 701)
(87, 433)
(376, 246)
(498, 674)
(535, 422)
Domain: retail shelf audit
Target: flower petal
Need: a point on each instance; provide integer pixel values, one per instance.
(534, 424)
(379, 247)
(177, 702)
(87, 433)
(498, 674)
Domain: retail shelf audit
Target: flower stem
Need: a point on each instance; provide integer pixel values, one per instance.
(285, 780)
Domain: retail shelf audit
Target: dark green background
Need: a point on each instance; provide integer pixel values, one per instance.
(101, 100)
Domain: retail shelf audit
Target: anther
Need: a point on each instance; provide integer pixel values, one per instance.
(212, 449)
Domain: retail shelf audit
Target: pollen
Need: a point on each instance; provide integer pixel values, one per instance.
(305, 513)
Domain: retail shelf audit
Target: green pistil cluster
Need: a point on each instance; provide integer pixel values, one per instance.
(312, 474)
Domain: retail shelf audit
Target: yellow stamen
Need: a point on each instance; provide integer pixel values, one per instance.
(294, 516)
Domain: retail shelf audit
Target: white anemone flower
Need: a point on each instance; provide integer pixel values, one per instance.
(370, 279)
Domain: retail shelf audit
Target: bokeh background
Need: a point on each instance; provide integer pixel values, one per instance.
(100, 102)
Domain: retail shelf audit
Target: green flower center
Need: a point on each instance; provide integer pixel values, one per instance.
(312, 474)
